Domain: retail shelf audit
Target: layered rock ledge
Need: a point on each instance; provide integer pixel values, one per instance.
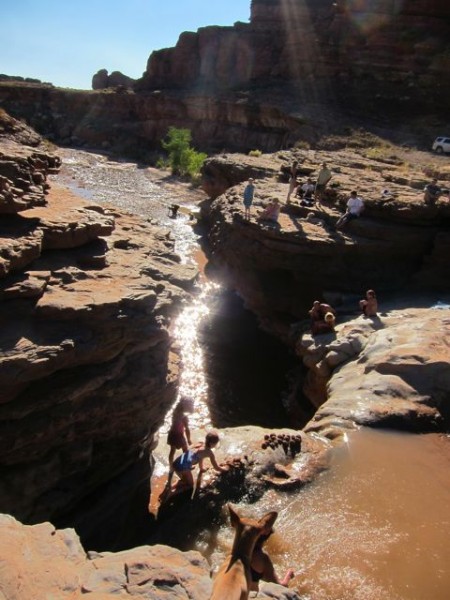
(395, 367)
(87, 294)
(389, 371)
(399, 243)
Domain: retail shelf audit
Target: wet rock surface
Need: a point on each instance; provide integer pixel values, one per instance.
(390, 371)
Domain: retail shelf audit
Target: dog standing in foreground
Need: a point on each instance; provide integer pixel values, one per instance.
(233, 580)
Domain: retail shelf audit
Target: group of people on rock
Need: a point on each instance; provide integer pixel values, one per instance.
(323, 316)
(310, 194)
(179, 438)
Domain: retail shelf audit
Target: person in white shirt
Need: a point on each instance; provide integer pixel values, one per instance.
(355, 206)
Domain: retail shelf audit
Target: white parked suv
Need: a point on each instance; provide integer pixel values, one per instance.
(441, 145)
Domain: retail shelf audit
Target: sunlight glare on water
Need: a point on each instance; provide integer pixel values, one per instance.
(192, 379)
(376, 526)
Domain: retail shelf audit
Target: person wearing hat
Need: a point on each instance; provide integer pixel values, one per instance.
(249, 192)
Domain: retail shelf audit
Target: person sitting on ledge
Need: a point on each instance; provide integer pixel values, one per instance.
(271, 212)
(369, 305)
(306, 193)
(322, 318)
(431, 193)
(355, 206)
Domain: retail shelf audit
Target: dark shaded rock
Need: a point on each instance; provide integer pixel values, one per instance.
(85, 373)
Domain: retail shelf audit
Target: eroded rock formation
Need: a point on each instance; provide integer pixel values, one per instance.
(398, 245)
(317, 45)
(55, 564)
(389, 371)
(86, 297)
(279, 271)
(102, 80)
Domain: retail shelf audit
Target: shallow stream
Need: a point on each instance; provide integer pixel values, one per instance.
(376, 525)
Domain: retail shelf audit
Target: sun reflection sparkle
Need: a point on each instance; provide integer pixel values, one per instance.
(192, 376)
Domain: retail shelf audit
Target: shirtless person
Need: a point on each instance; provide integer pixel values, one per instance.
(183, 464)
(369, 305)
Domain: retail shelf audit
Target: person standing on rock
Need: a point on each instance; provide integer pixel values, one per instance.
(249, 193)
(179, 436)
(323, 178)
(292, 180)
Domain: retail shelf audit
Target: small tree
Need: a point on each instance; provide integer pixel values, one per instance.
(183, 159)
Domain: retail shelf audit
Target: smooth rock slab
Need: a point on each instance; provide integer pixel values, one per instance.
(40, 561)
(400, 378)
(69, 222)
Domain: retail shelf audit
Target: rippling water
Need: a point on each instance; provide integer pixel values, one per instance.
(376, 526)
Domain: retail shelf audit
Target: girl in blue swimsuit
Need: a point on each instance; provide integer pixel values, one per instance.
(184, 464)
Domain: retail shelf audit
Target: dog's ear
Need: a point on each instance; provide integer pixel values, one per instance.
(234, 517)
(268, 520)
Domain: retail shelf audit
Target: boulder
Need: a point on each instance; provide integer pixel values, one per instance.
(56, 565)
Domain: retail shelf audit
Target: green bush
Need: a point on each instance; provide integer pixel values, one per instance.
(183, 159)
(255, 153)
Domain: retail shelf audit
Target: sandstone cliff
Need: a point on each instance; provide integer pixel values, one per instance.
(399, 247)
(364, 52)
(391, 371)
(399, 242)
(86, 298)
(298, 70)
